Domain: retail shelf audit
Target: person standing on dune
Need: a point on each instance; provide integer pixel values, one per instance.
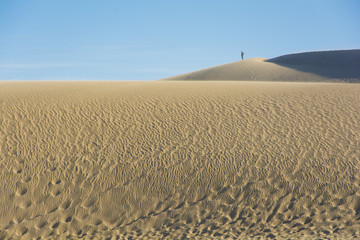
(242, 55)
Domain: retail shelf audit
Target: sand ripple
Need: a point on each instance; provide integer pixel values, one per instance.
(179, 160)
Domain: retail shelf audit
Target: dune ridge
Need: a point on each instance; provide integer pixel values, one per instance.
(199, 160)
(322, 66)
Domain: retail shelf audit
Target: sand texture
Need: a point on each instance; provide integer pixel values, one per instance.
(198, 160)
(323, 66)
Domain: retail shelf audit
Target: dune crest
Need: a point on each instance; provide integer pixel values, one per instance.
(322, 66)
(198, 160)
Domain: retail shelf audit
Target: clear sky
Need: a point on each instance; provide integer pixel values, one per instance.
(148, 40)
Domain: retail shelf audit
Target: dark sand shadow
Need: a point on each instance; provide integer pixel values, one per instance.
(340, 64)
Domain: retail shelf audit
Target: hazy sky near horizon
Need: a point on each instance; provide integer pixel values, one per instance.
(148, 40)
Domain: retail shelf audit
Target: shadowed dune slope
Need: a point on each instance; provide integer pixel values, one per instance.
(172, 160)
(324, 66)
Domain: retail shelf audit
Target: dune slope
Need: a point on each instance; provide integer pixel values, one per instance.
(324, 66)
(199, 160)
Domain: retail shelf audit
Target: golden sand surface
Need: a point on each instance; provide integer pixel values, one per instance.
(198, 160)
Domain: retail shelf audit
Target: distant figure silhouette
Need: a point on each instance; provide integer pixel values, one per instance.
(242, 55)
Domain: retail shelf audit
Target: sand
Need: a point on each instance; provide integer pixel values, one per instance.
(321, 66)
(198, 160)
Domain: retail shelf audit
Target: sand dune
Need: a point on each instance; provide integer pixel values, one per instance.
(199, 160)
(325, 66)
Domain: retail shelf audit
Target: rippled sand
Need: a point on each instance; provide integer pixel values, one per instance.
(179, 159)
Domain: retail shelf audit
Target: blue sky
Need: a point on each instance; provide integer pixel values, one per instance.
(148, 40)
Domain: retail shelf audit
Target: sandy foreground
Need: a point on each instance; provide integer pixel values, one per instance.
(199, 160)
